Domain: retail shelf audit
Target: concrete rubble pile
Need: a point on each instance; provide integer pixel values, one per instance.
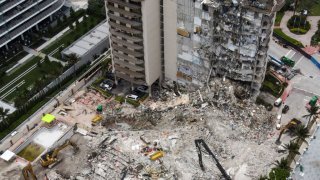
(237, 131)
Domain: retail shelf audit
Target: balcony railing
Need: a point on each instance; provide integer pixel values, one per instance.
(124, 28)
(126, 4)
(7, 6)
(129, 78)
(26, 16)
(131, 22)
(15, 12)
(126, 36)
(31, 23)
(123, 12)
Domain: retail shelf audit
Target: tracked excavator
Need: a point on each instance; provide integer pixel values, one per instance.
(50, 159)
(28, 173)
(199, 143)
(290, 126)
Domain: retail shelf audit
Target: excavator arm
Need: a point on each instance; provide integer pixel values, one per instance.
(199, 143)
(28, 173)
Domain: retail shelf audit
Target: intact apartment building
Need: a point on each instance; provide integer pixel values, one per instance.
(189, 41)
(19, 16)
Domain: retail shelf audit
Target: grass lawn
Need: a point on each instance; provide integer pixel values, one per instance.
(72, 35)
(272, 85)
(12, 61)
(37, 106)
(279, 32)
(279, 16)
(312, 5)
(31, 77)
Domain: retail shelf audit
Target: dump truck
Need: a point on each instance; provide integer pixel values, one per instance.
(287, 61)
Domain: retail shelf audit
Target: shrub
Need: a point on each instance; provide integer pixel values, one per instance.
(282, 35)
(298, 31)
(278, 173)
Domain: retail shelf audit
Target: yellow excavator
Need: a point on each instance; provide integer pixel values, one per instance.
(28, 173)
(290, 126)
(50, 159)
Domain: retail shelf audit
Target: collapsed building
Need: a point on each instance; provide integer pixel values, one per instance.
(189, 41)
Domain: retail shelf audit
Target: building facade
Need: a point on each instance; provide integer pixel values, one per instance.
(134, 27)
(18, 16)
(198, 38)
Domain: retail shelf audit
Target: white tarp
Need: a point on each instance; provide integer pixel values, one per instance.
(7, 155)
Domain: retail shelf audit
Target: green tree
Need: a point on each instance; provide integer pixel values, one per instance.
(72, 60)
(293, 149)
(77, 23)
(71, 26)
(72, 13)
(96, 8)
(313, 111)
(301, 133)
(282, 164)
(263, 177)
(3, 115)
(279, 174)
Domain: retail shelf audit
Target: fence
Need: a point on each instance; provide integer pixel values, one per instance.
(34, 119)
(297, 48)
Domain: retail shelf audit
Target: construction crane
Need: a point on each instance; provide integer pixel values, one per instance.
(50, 158)
(290, 126)
(28, 173)
(199, 143)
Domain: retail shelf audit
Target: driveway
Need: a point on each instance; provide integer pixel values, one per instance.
(306, 38)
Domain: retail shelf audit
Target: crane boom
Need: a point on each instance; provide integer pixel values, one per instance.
(199, 143)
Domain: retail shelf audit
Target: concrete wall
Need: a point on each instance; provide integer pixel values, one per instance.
(151, 40)
(170, 37)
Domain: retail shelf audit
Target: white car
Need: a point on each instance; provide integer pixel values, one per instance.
(132, 96)
(279, 117)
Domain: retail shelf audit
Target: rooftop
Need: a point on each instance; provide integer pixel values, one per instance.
(89, 40)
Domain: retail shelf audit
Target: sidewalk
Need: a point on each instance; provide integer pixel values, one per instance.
(306, 38)
(27, 57)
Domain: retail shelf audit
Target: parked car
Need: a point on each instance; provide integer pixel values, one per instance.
(138, 93)
(278, 102)
(285, 109)
(279, 117)
(132, 96)
(142, 88)
(107, 84)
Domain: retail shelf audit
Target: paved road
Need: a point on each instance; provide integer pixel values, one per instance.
(306, 38)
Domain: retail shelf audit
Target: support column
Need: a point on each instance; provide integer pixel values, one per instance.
(37, 27)
(150, 90)
(51, 18)
(22, 37)
(7, 47)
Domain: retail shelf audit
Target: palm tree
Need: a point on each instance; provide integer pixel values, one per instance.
(301, 133)
(3, 114)
(73, 59)
(263, 177)
(293, 149)
(282, 164)
(312, 112)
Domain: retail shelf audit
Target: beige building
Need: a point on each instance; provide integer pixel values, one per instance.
(189, 41)
(135, 39)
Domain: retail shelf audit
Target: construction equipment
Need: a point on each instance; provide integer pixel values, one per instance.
(50, 159)
(287, 61)
(157, 155)
(96, 118)
(290, 126)
(28, 173)
(313, 102)
(199, 143)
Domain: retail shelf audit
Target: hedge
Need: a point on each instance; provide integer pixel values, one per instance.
(279, 32)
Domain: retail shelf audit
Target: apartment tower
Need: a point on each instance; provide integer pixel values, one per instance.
(189, 41)
(135, 39)
(18, 16)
